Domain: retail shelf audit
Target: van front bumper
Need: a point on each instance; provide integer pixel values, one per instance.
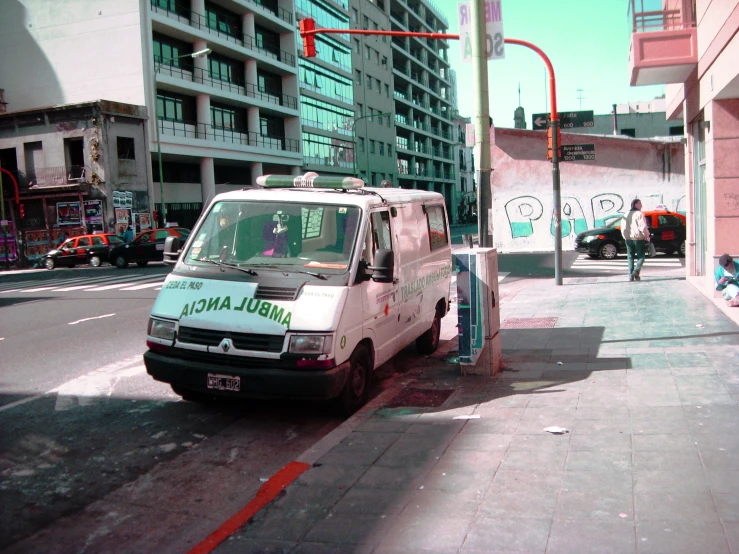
(256, 382)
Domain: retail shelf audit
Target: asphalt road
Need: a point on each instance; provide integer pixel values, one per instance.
(92, 449)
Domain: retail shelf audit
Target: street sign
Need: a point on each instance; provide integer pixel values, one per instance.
(578, 152)
(567, 120)
(494, 40)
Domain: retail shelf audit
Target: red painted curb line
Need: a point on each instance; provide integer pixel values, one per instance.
(276, 484)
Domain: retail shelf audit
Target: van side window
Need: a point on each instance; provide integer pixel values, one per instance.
(381, 238)
(436, 220)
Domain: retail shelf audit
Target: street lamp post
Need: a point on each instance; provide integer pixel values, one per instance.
(197, 54)
(354, 138)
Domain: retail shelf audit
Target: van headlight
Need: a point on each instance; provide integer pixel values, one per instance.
(590, 238)
(310, 344)
(162, 328)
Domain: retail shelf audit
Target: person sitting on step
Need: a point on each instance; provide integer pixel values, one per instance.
(727, 279)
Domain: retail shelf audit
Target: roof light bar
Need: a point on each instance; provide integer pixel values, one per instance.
(310, 180)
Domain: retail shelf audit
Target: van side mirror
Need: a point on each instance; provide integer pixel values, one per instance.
(384, 267)
(172, 250)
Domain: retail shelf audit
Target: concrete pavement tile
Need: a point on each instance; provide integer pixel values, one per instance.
(377, 425)
(404, 478)
(601, 426)
(349, 529)
(685, 371)
(604, 480)
(601, 413)
(714, 426)
(439, 504)
(507, 534)
(667, 423)
(585, 536)
(524, 504)
(723, 460)
(712, 412)
(708, 384)
(608, 440)
(688, 359)
(417, 532)
(468, 461)
(553, 399)
(237, 544)
(491, 424)
(706, 399)
(542, 441)
(722, 481)
(531, 480)
(536, 459)
(605, 401)
(567, 367)
(718, 441)
(313, 498)
(536, 419)
(600, 504)
(665, 460)
(674, 481)
(646, 398)
(664, 505)
(372, 501)
(727, 506)
(599, 460)
(414, 451)
(439, 425)
(397, 414)
(281, 525)
(475, 442)
(648, 361)
(331, 475)
(360, 448)
(457, 482)
(680, 537)
(319, 548)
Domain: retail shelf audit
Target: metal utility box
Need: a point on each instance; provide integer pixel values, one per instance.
(478, 311)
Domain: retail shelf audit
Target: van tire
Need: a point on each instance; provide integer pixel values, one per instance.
(356, 389)
(429, 341)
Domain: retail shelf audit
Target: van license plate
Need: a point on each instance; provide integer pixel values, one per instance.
(224, 382)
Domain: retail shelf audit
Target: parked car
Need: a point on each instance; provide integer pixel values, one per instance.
(667, 230)
(147, 246)
(84, 249)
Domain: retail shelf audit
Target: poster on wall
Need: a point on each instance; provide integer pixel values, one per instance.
(94, 212)
(142, 222)
(7, 243)
(68, 213)
(122, 199)
(122, 220)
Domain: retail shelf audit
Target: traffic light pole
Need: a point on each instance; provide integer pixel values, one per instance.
(308, 32)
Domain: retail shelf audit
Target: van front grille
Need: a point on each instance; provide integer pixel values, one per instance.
(275, 293)
(242, 341)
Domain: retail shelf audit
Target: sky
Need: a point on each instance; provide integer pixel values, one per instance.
(587, 42)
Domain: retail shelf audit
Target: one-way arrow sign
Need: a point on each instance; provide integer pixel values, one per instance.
(541, 122)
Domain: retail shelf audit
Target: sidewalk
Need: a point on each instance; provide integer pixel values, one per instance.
(643, 375)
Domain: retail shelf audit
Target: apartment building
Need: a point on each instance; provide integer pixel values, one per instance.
(645, 119)
(423, 114)
(692, 47)
(464, 198)
(374, 125)
(219, 79)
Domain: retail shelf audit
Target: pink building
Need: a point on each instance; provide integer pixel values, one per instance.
(692, 46)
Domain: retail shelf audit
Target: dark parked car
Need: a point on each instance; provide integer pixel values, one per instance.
(84, 249)
(667, 230)
(147, 246)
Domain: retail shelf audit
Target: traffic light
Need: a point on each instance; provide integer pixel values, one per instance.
(550, 143)
(309, 41)
(22, 209)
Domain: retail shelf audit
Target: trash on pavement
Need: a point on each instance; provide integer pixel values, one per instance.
(560, 363)
(466, 417)
(264, 479)
(555, 430)
(699, 325)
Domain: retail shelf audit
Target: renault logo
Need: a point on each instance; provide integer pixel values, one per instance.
(226, 345)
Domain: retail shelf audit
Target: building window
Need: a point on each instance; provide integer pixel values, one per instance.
(267, 40)
(358, 76)
(377, 57)
(224, 69)
(355, 15)
(271, 126)
(361, 144)
(402, 142)
(387, 90)
(629, 132)
(269, 83)
(222, 118)
(126, 149)
(360, 109)
(169, 108)
(167, 51)
(357, 47)
(382, 149)
(332, 85)
(368, 52)
(677, 131)
(365, 22)
(389, 150)
(320, 150)
(369, 82)
(323, 115)
(372, 146)
(222, 20)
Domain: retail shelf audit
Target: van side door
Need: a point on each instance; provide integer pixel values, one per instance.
(380, 300)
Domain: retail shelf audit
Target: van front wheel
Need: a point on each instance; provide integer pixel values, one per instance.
(354, 394)
(429, 341)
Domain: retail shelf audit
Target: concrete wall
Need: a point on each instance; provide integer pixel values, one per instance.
(591, 190)
(70, 51)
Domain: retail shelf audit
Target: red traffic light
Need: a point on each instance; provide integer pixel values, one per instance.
(22, 210)
(309, 41)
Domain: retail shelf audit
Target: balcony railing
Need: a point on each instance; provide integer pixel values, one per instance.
(203, 131)
(244, 88)
(54, 176)
(401, 119)
(399, 94)
(234, 35)
(679, 16)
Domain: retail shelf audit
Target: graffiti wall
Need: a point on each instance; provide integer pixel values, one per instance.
(593, 192)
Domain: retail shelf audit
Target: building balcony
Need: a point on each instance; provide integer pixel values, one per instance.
(202, 77)
(664, 43)
(211, 133)
(50, 177)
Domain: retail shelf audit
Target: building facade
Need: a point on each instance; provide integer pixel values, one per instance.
(425, 144)
(692, 47)
(646, 119)
(465, 197)
(374, 125)
(219, 118)
(80, 168)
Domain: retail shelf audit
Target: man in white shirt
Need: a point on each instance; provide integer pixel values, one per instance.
(635, 231)
(727, 279)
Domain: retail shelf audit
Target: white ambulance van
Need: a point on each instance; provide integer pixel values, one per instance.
(301, 287)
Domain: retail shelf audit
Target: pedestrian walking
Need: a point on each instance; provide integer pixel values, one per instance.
(636, 234)
(727, 279)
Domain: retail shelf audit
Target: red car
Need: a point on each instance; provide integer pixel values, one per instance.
(147, 246)
(84, 249)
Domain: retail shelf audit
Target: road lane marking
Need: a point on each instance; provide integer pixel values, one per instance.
(89, 319)
(39, 289)
(11, 290)
(67, 289)
(87, 389)
(108, 287)
(145, 286)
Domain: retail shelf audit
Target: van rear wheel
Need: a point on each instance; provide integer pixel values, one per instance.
(429, 341)
(354, 394)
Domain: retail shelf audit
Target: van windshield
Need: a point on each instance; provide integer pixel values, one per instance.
(278, 235)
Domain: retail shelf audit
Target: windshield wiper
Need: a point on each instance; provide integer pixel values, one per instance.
(287, 270)
(227, 264)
